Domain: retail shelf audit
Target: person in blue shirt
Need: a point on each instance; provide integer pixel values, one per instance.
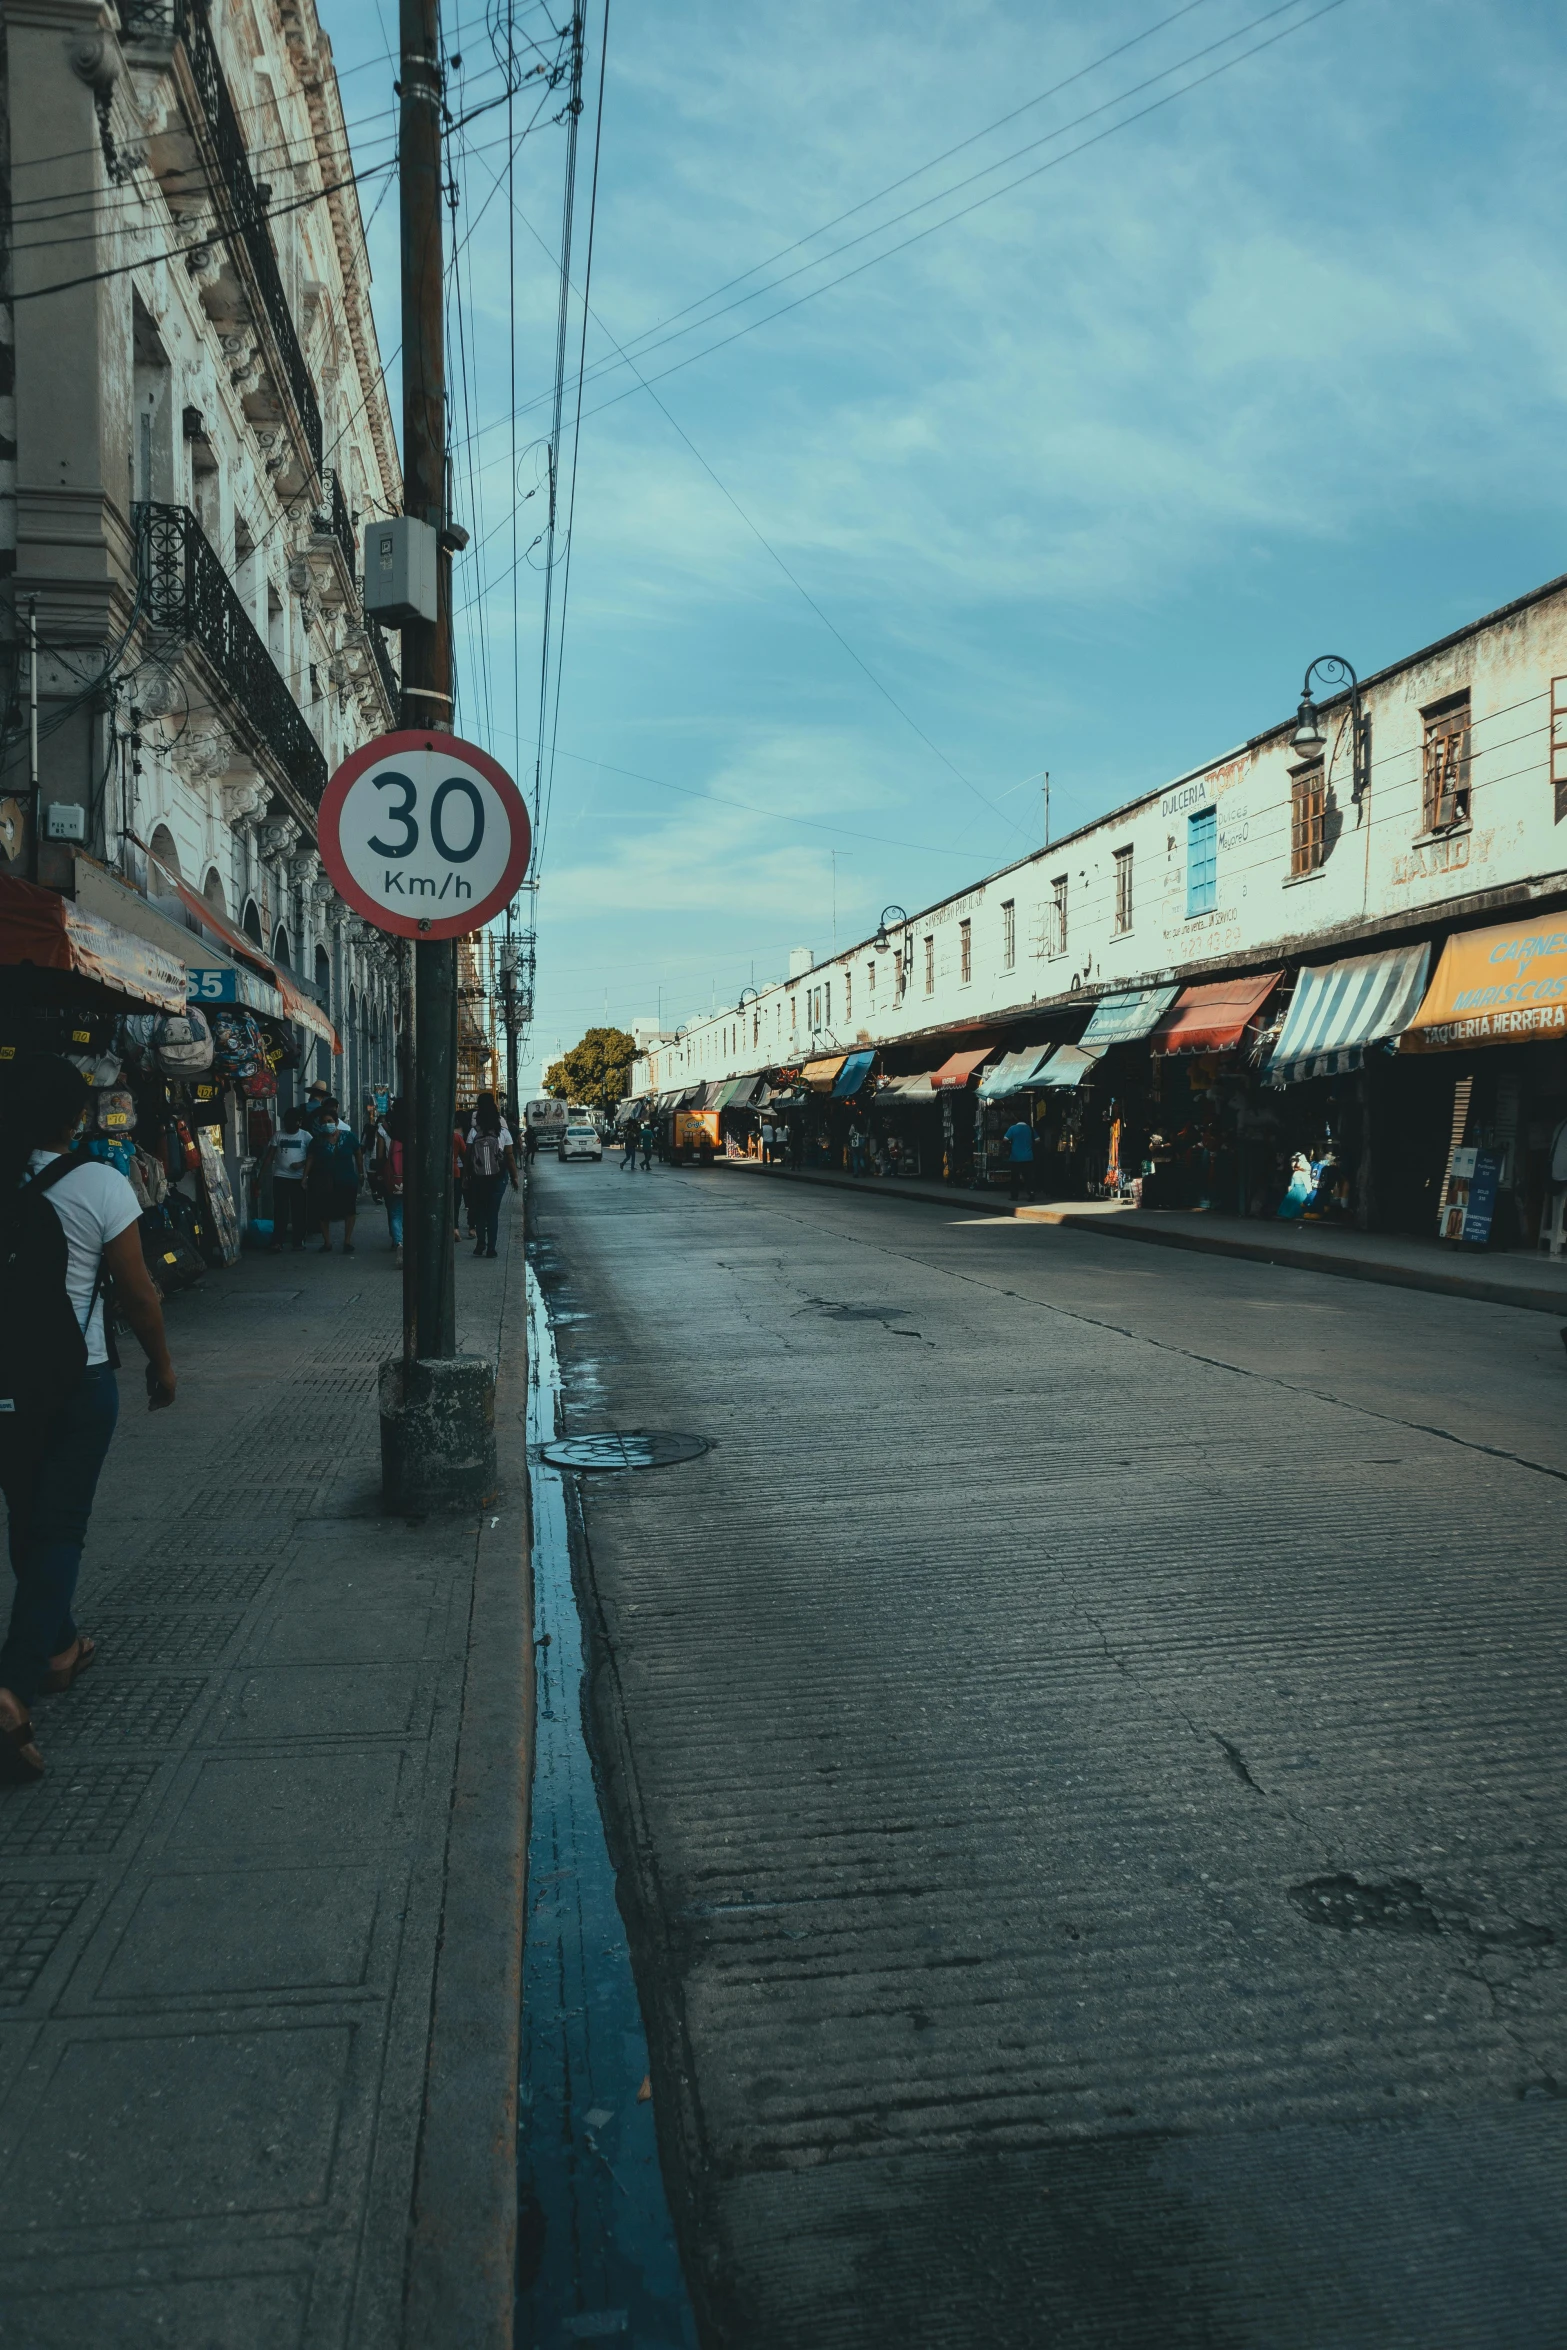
(1019, 1139)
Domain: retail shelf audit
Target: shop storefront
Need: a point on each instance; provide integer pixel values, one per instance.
(1490, 1042)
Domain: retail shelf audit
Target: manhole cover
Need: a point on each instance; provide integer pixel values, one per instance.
(616, 1448)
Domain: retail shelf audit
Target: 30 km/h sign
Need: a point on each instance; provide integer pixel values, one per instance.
(423, 835)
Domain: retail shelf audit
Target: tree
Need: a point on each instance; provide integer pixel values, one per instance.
(596, 1072)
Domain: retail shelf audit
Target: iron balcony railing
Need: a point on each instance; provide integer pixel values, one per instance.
(338, 523)
(383, 662)
(187, 21)
(186, 591)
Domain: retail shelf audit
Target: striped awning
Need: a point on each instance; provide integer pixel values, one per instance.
(1338, 1009)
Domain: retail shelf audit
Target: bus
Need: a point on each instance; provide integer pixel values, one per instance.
(545, 1120)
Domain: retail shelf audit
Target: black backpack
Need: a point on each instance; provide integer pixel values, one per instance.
(42, 1350)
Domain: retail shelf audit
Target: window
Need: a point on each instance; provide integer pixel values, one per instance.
(1058, 915)
(930, 963)
(848, 994)
(1308, 808)
(794, 1010)
(1008, 934)
(870, 984)
(965, 952)
(827, 1003)
(1123, 890)
(900, 979)
(1445, 797)
(1202, 861)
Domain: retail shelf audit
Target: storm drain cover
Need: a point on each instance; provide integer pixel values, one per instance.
(623, 1448)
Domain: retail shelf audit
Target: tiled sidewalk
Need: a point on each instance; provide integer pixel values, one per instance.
(220, 1914)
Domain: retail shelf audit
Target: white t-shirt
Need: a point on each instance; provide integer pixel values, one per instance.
(95, 1205)
(288, 1156)
(504, 1137)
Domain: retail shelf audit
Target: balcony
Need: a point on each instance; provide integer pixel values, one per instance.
(234, 190)
(335, 522)
(187, 593)
(388, 675)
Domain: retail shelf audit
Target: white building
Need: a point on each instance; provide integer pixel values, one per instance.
(1259, 858)
(198, 433)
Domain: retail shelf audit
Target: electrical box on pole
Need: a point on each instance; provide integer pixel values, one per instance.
(402, 571)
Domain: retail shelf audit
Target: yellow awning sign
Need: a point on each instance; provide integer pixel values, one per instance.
(1501, 986)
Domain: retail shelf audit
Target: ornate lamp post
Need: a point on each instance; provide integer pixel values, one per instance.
(1309, 738)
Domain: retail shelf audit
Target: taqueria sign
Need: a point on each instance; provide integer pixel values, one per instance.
(1495, 987)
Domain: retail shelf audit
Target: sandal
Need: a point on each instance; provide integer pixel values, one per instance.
(60, 1677)
(15, 1769)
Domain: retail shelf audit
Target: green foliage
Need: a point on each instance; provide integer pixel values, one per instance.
(596, 1072)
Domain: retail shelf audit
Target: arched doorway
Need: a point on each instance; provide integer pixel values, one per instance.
(280, 947)
(250, 921)
(212, 891)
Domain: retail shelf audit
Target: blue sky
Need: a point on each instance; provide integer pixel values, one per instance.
(1079, 480)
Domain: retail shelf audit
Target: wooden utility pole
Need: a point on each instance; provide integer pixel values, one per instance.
(429, 1299)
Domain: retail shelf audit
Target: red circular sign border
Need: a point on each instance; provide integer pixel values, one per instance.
(329, 815)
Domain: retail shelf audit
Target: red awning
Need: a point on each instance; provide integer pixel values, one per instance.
(959, 1069)
(1213, 1018)
(40, 927)
(296, 1005)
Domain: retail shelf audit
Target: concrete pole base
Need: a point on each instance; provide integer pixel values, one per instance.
(437, 1433)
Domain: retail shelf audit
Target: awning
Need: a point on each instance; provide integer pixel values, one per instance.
(712, 1094)
(855, 1070)
(735, 1093)
(211, 976)
(1068, 1066)
(1495, 987)
(1340, 1008)
(40, 927)
(1122, 1019)
(1012, 1072)
(297, 1006)
(818, 1075)
(958, 1069)
(1213, 1018)
(907, 1089)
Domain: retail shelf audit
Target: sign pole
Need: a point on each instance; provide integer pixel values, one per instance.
(430, 1301)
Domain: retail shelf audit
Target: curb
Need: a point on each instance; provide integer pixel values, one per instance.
(1436, 1278)
(462, 2246)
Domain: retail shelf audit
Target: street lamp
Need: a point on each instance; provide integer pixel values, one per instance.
(1309, 739)
(881, 942)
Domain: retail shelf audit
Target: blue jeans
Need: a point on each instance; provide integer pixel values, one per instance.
(50, 1500)
(484, 1209)
(394, 1217)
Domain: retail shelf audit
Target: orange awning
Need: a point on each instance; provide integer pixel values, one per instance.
(818, 1075)
(1495, 987)
(959, 1069)
(1213, 1018)
(296, 1005)
(40, 927)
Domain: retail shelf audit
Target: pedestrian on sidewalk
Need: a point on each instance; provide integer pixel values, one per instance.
(68, 1225)
(628, 1135)
(460, 1199)
(391, 1137)
(649, 1137)
(492, 1164)
(335, 1171)
(286, 1155)
(856, 1148)
(1020, 1151)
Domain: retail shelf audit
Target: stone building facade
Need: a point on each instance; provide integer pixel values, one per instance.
(196, 432)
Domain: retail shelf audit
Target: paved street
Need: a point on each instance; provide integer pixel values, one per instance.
(1086, 1751)
(259, 1926)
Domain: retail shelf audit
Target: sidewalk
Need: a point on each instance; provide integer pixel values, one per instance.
(260, 1927)
(1514, 1278)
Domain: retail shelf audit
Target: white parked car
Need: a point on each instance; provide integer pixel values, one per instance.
(582, 1142)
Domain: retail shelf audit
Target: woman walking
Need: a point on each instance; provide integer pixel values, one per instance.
(492, 1164)
(68, 1225)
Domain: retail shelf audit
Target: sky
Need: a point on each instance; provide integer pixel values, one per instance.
(1240, 346)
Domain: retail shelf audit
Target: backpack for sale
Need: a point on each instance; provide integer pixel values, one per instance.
(485, 1156)
(182, 1043)
(238, 1047)
(171, 1256)
(42, 1350)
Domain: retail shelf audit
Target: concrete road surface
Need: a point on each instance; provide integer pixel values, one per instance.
(1085, 1753)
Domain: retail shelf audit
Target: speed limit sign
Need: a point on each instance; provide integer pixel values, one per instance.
(424, 835)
